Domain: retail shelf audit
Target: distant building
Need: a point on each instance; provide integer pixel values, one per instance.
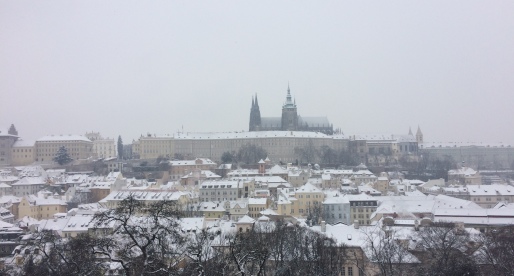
(180, 168)
(102, 147)
(280, 145)
(385, 150)
(477, 155)
(79, 147)
(290, 119)
(464, 175)
(23, 153)
(7, 140)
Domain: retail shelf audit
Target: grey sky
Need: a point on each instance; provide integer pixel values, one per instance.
(131, 67)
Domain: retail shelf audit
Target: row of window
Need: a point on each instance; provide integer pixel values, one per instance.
(309, 196)
(22, 150)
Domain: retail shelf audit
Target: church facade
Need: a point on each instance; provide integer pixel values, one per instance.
(290, 120)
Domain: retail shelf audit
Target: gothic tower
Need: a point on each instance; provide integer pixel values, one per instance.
(255, 115)
(419, 136)
(289, 113)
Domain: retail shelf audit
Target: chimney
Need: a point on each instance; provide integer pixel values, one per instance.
(356, 224)
(323, 226)
(416, 225)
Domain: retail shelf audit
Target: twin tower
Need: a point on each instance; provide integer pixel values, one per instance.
(290, 120)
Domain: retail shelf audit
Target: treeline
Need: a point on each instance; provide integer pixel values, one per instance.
(138, 239)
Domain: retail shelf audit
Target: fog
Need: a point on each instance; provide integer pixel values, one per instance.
(135, 67)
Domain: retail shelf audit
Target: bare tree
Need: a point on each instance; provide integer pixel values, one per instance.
(58, 256)
(202, 257)
(251, 154)
(443, 251)
(388, 253)
(307, 154)
(497, 251)
(146, 239)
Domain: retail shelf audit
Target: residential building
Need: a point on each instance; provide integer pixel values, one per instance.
(212, 210)
(236, 209)
(43, 206)
(146, 196)
(464, 175)
(487, 196)
(382, 183)
(309, 199)
(180, 168)
(28, 186)
(336, 209)
(197, 177)
(255, 206)
(220, 191)
(361, 208)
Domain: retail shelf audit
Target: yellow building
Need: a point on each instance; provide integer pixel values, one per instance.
(22, 153)
(78, 147)
(44, 207)
(255, 206)
(150, 147)
(304, 200)
(212, 210)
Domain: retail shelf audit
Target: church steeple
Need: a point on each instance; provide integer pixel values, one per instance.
(289, 102)
(419, 136)
(289, 113)
(410, 131)
(255, 115)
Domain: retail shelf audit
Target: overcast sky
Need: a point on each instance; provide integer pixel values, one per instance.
(131, 67)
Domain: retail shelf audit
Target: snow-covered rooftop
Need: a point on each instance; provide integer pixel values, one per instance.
(60, 138)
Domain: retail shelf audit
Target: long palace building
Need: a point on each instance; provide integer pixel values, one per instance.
(280, 145)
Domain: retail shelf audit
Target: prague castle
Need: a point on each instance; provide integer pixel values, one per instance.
(290, 120)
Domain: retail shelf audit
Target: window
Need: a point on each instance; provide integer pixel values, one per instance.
(350, 271)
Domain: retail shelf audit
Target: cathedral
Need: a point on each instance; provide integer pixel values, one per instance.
(290, 120)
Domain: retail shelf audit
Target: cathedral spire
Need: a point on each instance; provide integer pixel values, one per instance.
(256, 101)
(289, 102)
(253, 103)
(410, 131)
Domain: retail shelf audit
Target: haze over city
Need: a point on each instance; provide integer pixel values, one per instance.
(128, 68)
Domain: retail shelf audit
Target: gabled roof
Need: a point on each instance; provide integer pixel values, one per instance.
(246, 219)
(30, 181)
(308, 188)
